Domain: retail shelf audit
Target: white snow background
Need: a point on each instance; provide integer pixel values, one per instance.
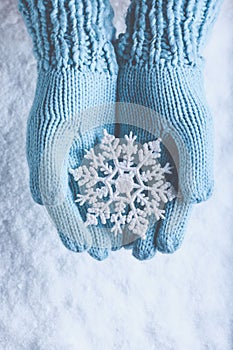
(53, 299)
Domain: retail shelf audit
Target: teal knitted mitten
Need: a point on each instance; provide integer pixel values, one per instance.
(161, 67)
(76, 88)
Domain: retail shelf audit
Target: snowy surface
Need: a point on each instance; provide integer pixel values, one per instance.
(51, 298)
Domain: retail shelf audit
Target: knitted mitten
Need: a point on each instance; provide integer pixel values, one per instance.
(161, 67)
(76, 85)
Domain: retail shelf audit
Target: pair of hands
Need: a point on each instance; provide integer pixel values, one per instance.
(77, 72)
(59, 135)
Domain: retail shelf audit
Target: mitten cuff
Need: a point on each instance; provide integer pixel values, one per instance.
(169, 31)
(69, 33)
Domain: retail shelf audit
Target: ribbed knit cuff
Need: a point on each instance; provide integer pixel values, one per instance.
(167, 31)
(69, 33)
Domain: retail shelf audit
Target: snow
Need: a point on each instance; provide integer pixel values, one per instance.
(51, 298)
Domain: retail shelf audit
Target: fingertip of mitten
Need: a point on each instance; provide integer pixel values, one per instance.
(72, 245)
(99, 254)
(169, 244)
(141, 252)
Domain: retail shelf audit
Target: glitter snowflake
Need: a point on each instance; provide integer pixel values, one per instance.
(124, 182)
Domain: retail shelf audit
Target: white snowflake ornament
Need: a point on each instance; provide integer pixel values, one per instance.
(124, 183)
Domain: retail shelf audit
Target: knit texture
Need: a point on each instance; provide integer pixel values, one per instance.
(76, 85)
(70, 33)
(167, 31)
(161, 67)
